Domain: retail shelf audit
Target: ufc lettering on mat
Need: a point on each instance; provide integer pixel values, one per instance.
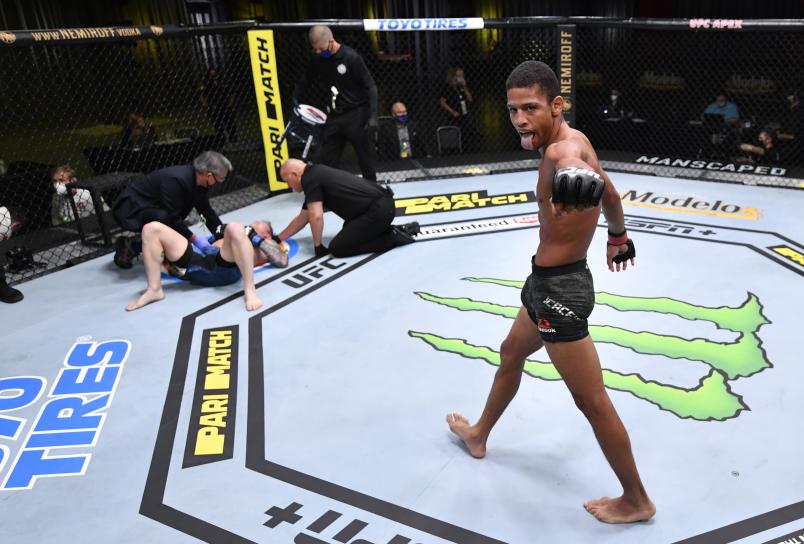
(312, 273)
(72, 417)
(210, 437)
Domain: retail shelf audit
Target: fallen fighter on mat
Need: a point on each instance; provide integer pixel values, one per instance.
(230, 257)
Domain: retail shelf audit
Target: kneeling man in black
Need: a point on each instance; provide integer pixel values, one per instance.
(366, 208)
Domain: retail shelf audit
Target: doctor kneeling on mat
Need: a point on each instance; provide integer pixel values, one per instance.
(366, 208)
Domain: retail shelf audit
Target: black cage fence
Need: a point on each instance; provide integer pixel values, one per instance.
(452, 85)
(79, 119)
(709, 99)
(701, 98)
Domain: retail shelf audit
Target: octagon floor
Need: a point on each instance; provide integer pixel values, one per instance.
(320, 417)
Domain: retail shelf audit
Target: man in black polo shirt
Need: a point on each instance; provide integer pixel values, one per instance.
(350, 97)
(366, 208)
(167, 196)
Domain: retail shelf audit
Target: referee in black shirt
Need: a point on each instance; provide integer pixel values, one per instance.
(367, 210)
(351, 101)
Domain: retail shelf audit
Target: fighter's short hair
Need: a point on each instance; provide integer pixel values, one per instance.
(533, 73)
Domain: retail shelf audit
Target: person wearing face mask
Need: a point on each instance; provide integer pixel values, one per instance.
(399, 138)
(350, 101)
(168, 196)
(63, 179)
(457, 100)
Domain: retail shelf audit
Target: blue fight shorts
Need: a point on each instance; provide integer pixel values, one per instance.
(224, 272)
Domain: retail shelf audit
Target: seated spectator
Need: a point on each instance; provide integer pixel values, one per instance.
(614, 108)
(724, 107)
(63, 178)
(136, 132)
(399, 138)
(763, 150)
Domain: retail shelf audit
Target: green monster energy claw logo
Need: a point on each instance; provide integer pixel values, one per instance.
(712, 399)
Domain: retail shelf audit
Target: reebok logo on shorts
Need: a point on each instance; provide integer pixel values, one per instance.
(544, 326)
(559, 308)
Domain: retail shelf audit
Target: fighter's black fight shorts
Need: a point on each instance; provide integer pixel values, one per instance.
(559, 299)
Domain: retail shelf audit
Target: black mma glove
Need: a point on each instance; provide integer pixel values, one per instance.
(253, 237)
(270, 247)
(321, 250)
(577, 187)
(619, 240)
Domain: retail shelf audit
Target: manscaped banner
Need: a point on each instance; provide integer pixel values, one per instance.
(714, 166)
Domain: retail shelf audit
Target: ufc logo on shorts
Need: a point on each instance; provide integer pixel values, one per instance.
(559, 308)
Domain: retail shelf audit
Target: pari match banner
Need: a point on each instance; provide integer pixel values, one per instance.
(269, 103)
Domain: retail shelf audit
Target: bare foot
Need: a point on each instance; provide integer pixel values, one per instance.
(619, 510)
(252, 302)
(146, 297)
(460, 426)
